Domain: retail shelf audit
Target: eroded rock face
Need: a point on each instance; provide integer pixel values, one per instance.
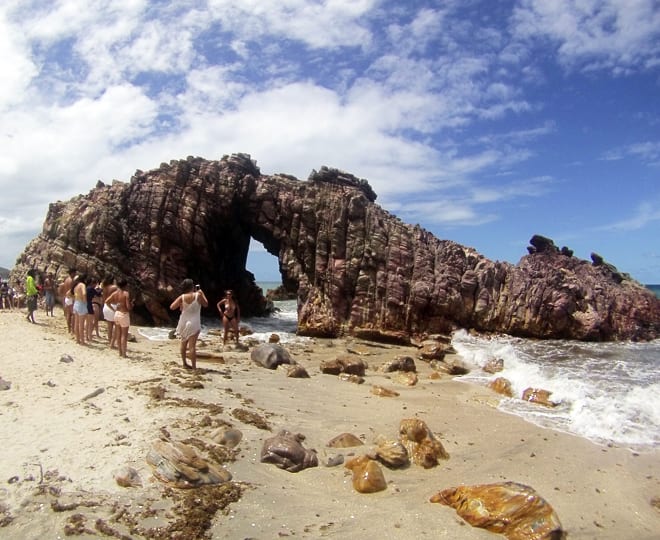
(357, 269)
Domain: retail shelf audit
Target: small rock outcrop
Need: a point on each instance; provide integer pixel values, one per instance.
(357, 269)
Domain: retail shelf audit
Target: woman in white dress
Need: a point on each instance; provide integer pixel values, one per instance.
(190, 323)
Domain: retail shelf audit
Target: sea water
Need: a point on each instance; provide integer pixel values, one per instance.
(283, 322)
(608, 393)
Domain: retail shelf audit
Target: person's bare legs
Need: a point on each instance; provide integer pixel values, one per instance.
(123, 341)
(234, 324)
(112, 335)
(68, 315)
(89, 326)
(182, 349)
(192, 346)
(225, 323)
(79, 328)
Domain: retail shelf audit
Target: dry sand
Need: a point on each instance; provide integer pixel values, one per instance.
(60, 450)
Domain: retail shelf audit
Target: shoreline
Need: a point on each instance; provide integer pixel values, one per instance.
(63, 446)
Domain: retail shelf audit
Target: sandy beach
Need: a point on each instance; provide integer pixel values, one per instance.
(75, 415)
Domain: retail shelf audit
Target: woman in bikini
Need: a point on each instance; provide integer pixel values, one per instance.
(190, 323)
(121, 298)
(230, 313)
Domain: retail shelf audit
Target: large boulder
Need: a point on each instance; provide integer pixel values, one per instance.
(357, 269)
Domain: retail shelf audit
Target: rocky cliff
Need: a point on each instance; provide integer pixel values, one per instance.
(357, 268)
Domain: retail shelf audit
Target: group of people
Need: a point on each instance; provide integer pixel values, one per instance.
(86, 301)
(190, 303)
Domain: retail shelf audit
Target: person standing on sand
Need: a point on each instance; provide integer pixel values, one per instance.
(121, 298)
(92, 293)
(49, 293)
(79, 290)
(31, 292)
(66, 297)
(107, 288)
(230, 314)
(190, 303)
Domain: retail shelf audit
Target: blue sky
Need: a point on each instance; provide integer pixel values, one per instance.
(484, 121)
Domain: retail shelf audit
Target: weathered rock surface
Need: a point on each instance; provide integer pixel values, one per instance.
(368, 476)
(512, 509)
(357, 269)
(270, 355)
(285, 450)
(182, 466)
(422, 445)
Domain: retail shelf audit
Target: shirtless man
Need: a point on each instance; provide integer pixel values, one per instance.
(66, 297)
(121, 303)
(49, 292)
(230, 313)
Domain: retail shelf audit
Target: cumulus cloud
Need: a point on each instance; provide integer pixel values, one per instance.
(621, 36)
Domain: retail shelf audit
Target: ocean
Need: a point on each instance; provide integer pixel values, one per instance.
(608, 393)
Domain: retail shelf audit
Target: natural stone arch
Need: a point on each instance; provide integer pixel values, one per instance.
(357, 269)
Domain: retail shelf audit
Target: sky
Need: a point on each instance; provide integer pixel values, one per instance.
(483, 121)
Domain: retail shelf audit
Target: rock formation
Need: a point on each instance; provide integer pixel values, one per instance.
(357, 269)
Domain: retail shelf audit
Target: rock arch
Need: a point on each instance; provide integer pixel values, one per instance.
(357, 268)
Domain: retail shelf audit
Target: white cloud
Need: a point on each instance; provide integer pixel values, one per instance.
(17, 68)
(646, 214)
(616, 35)
(647, 152)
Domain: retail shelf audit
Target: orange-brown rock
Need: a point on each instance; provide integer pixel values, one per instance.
(381, 391)
(494, 365)
(368, 475)
(423, 447)
(393, 454)
(538, 395)
(346, 363)
(501, 386)
(512, 509)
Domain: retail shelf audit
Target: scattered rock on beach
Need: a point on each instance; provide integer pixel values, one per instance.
(182, 466)
(296, 371)
(378, 390)
(368, 476)
(286, 452)
(4, 385)
(400, 363)
(509, 508)
(538, 395)
(494, 365)
(228, 437)
(501, 386)
(270, 355)
(345, 363)
(344, 440)
(393, 454)
(407, 378)
(423, 447)
(356, 379)
(66, 359)
(127, 477)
